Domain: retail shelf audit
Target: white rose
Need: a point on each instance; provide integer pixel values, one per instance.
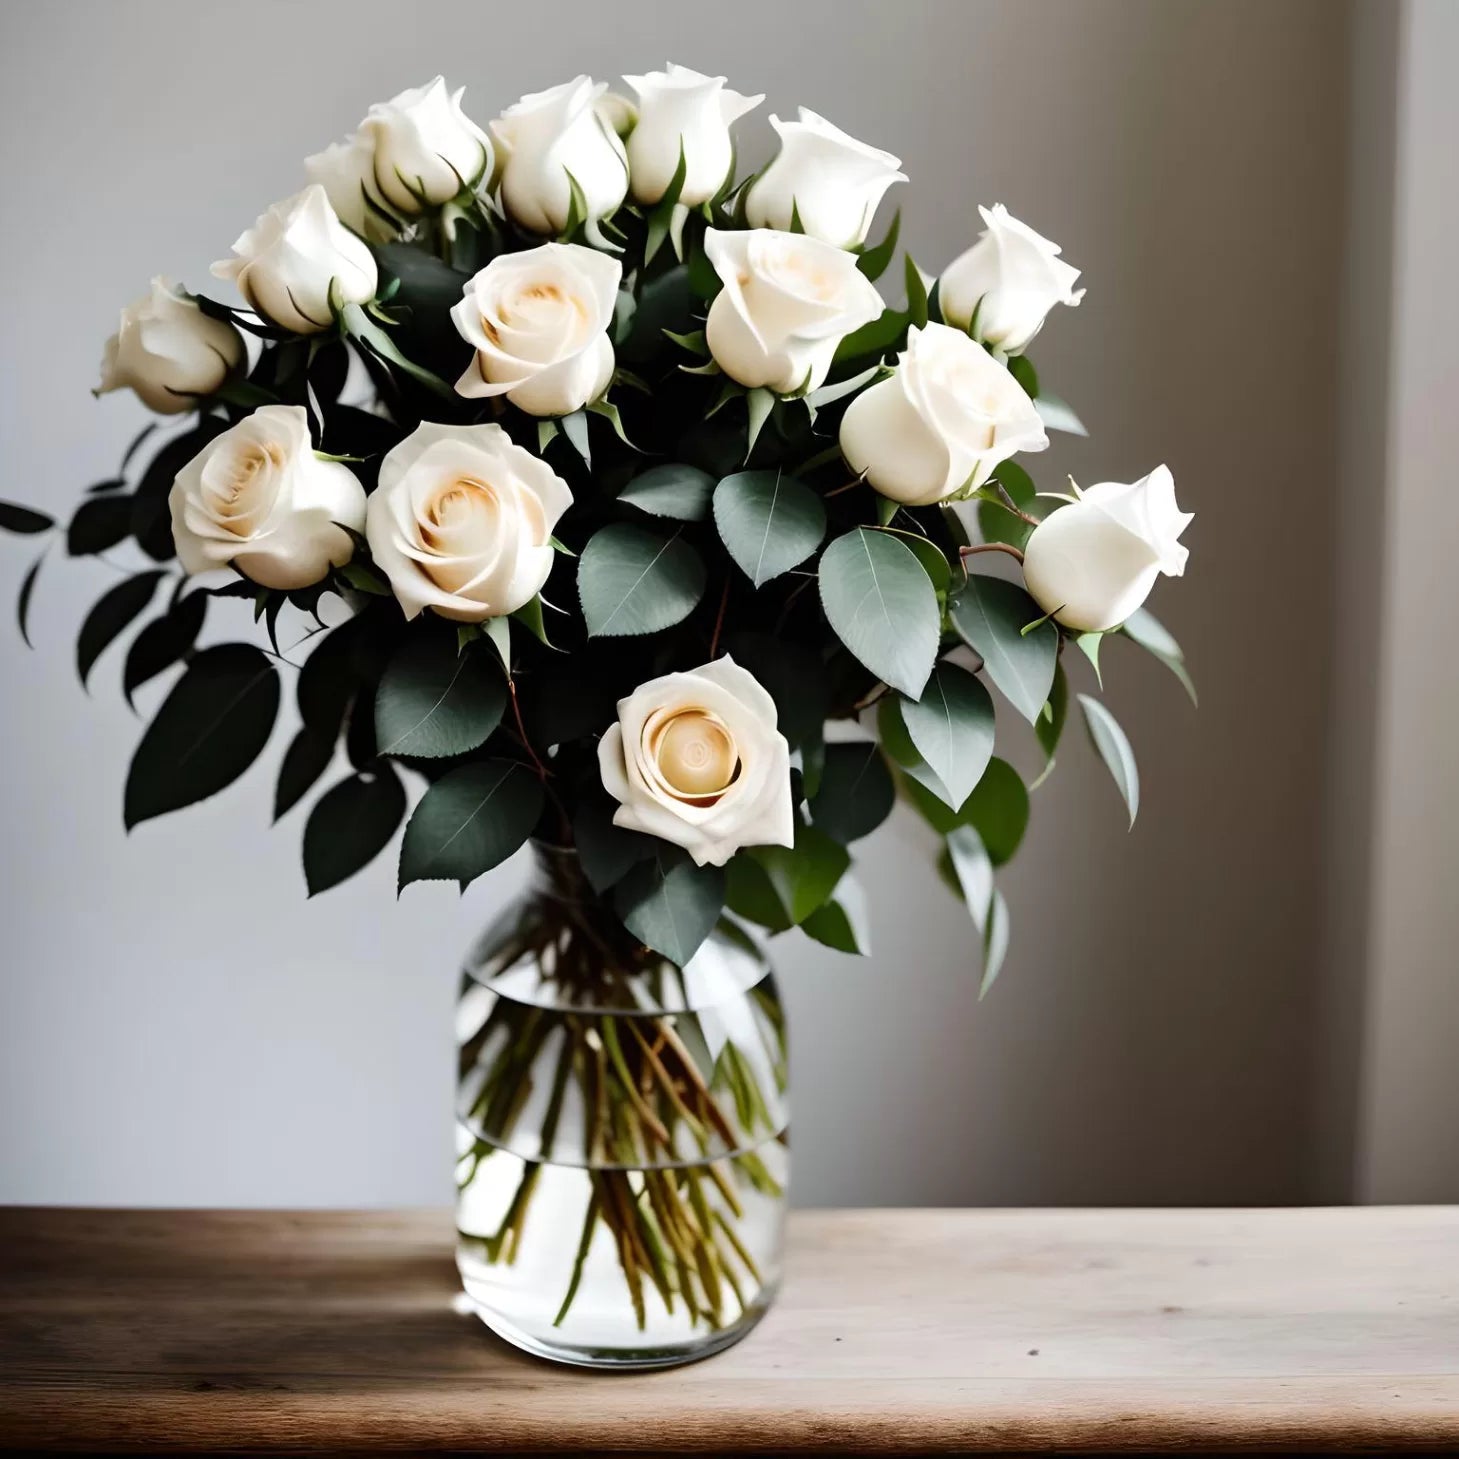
(415, 151)
(1093, 562)
(539, 321)
(941, 422)
(826, 177)
(168, 351)
(788, 301)
(462, 521)
(257, 496)
(1009, 279)
(696, 759)
(680, 109)
(548, 135)
(285, 264)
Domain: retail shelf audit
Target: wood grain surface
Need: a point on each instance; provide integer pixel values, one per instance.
(897, 1330)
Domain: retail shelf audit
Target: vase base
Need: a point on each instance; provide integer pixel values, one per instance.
(626, 1359)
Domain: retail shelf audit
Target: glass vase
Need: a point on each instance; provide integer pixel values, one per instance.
(622, 1128)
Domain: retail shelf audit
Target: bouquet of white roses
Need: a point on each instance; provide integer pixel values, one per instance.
(585, 484)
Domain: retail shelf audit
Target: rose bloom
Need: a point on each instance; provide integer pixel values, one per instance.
(1093, 562)
(696, 759)
(787, 302)
(539, 322)
(461, 522)
(940, 422)
(259, 498)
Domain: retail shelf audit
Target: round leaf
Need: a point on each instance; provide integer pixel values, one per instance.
(769, 522)
(209, 730)
(856, 792)
(881, 603)
(350, 825)
(469, 821)
(951, 727)
(998, 810)
(631, 580)
(677, 491)
(670, 904)
(991, 615)
(434, 701)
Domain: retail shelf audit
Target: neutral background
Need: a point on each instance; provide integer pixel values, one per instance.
(1191, 1012)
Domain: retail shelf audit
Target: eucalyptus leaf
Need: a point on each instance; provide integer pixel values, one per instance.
(434, 701)
(855, 794)
(163, 642)
(470, 820)
(606, 852)
(113, 611)
(1049, 727)
(991, 614)
(842, 923)
(804, 875)
(99, 522)
(1143, 628)
(998, 810)
(670, 904)
(750, 893)
(209, 730)
(973, 868)
(632, 580)
(350, 825)
(674, 490)
(23, 520)
(769, 522)
(1114, 749)
(951, 727)
(307, 758)
(882, 606)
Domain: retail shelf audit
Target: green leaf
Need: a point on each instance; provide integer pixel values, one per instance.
(632, 580)
(855, 794)
(358, 325)
(163, 642)
(661, 214)
(881, 603)
(877, 338)
(998, 809)
(670, 904)
(916, 294)
(306, 759)
(529, 615)
(677, 491)
(1022, 370)
(749, 893)
(23, 520)
(1049, 727)
(575, 428)
(1143, 628)
(211, 727)
(434, 702)
(469, 821)
(991, 614)
(22, 603)
(768, 521)
(498, 632)
(758, 403)
(873, 262)
(995, 521)
(1089, 646)
(1057, 416)
(100, 522)
(350, 825)
(794, 678)
(931, 556)
(606, 852)
(842, 923)
(951, 727)
(804, 875)
(1114, 749)
(114, 610)
(973, 869)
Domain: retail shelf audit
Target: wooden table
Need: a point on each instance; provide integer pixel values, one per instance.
(897, 1330)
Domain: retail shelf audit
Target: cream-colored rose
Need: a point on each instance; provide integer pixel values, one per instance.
(940, 422)
(680, 110)
(1008, 281)
(168, 351)
(787, 302)
(1093, 562)
(417, 150)
(825, 177)
(696, 759)
(546, 136)
(538, 321)
(258, 497)
(286, 264)
(462, 521)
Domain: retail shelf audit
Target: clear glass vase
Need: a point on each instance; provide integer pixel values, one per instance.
(622, 1129)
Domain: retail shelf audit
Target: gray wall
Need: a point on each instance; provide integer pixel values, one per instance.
(179, 1026)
